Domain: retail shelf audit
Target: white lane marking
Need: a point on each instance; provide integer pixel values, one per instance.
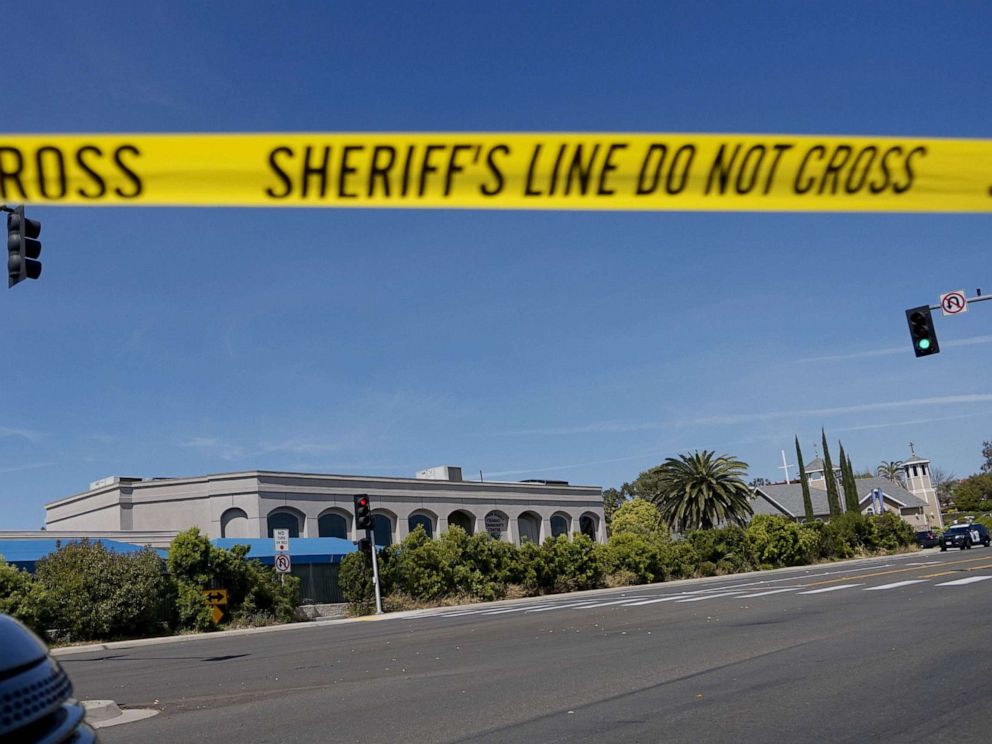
(492, 612)
(923, 563)
(560, 606)
(831, 588)
(708, 596)
(604, 604)
(772, 591)
(962, 582)
(894, 585)
(670, 598)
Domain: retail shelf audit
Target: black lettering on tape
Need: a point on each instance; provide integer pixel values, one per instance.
(780, 150)
(11, 165)
(582, 171)
(90, 171)
(50, 163)
(497, 174)
(609, 166)
(745, 182)
(427, 168)
(857, 176)
(528, 190)
(661, 151)
(131, 176)
(281, 174)
(803, 188)
(380, 171)
(318, 170)
(346, 169)
(454, 167)
(902, 188)
(721, 169)
(686, 153)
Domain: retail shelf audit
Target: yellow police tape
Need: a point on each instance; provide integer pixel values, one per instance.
(684, 172)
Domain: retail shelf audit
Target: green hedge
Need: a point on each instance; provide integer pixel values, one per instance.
(459, 567)
(84, 592)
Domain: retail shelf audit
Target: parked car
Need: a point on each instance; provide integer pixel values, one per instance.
(36, 703)
(927, 539)
(963, 536)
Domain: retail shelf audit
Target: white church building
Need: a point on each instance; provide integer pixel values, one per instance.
(914, 500)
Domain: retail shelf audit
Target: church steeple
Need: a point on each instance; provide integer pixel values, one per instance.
(917, 470)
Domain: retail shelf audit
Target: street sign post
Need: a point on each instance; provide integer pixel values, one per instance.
(954, 303)
(281, 540)
(283, 563)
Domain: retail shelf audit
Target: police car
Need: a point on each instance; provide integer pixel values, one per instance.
(963, 536)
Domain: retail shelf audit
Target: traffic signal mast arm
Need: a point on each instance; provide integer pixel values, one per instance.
(968, 300)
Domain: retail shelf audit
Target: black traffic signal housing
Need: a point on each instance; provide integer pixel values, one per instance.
(365, 546)
(23, 247)
(363, 512)
(921, 331)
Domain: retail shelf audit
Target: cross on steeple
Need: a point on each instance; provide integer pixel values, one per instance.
(912, 450)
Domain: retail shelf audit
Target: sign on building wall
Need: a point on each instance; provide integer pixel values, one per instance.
(495, 525)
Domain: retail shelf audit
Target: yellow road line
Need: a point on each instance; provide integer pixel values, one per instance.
(945, 573)
(897, 570)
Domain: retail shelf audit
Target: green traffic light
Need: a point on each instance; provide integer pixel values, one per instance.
(923, 344)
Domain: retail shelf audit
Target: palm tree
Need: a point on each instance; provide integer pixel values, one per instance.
(891, 470)
(701, 491)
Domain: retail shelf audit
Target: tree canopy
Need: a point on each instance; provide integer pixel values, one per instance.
(700, 490)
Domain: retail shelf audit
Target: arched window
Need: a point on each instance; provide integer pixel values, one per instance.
(332, 525)
(559, 525)
(234, 523)
(529, 527)
(587, 525)
(462, 519)
(283, 520)
(421, 520)
(382, 530)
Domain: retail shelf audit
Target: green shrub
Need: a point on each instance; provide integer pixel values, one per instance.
(572, 565)
(678, 560)
(23, 598)
(892, 533)
(632, 556)
(639, 517)
(97, 594)
(779, 541)
(255, 593)
(853, 533)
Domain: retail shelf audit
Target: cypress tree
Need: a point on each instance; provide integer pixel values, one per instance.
(828, 472)
(807, 499)
(850, 491)
(854, 485)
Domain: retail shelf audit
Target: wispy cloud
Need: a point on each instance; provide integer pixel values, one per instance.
(911, 422)
(9, 431)
(893, 350)
(32, 466)
(745, 418)
(300, 447)
(216, 447)
(551, 468)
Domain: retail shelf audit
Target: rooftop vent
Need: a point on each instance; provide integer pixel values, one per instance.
(441, 472)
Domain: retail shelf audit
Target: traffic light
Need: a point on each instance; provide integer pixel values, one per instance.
(365, 546)
(363, 512)
(921, 331)
(23, 248)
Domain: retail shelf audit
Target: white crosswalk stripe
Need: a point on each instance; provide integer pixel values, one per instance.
(771, 591)
(707, 596)
(566, 605)
(656, 600)
(962, 582)
(831, 588)
(894, 585)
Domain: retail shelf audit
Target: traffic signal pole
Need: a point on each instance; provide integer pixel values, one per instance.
(375, 574)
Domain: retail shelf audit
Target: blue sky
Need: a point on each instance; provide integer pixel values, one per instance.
(588, 347)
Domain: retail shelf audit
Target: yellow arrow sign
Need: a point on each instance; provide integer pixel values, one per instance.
(215, 596)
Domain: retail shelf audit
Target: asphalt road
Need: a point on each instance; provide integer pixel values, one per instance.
(885, 650)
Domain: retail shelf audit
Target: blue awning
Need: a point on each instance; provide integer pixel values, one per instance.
(26, 553)
(301, 549)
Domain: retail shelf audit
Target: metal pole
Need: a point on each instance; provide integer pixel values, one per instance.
(375, 573)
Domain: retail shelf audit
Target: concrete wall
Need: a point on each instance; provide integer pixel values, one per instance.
(238, 504)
